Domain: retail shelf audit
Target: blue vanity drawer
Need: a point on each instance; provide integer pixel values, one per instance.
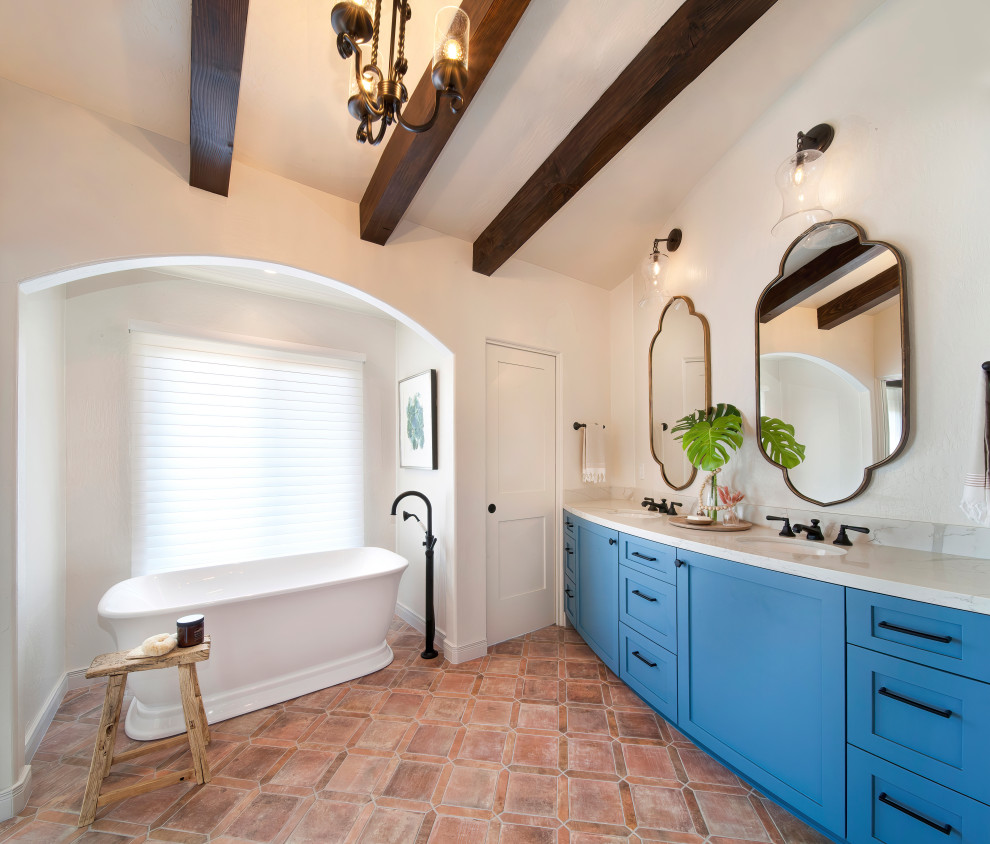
(888, 805)
(931, 722)
(570, 557)
(949, 639)
(570, 600)
(648, 606)
(570, 525)
(652, 557)
(649, 670)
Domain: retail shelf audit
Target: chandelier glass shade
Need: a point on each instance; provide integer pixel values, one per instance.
(376, 98)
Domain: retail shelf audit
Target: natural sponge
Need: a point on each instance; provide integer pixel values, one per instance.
(157, 645)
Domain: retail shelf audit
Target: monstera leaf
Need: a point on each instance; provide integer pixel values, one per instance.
(709, 437)
(779, 442)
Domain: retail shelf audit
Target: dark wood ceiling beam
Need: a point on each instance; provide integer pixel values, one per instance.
(816, 275)
(883, 286)
(218, 29)
(680, 51)
(408, 158)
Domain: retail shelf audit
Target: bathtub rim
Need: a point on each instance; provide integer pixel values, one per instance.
(129, 613)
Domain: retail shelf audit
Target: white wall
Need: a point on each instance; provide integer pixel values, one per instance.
(414, 355)
(81, 189)
(906, 92)
(98, 311)
(41, 618)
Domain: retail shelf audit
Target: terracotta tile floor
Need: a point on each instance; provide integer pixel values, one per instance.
(537, 742)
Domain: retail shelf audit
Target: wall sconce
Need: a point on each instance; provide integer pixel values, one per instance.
(653, 270)
(798, 179)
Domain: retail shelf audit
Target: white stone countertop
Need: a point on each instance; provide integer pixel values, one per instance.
(943, 579)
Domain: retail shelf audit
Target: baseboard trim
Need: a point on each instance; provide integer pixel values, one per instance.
(43, 720)
(15, 798)
(77, 679)
(414, 619)
(465, 653)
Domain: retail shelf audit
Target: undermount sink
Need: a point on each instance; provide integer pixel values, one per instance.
(632, 514)
(776, 544)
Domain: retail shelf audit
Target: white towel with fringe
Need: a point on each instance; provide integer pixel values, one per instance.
(593, 454)
(976, 482)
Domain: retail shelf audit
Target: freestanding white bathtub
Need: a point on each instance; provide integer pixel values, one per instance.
(281, 628)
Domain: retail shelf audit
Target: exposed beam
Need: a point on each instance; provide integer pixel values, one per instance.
(883, 286)
(218, 28)
(816, 275)
(694, 36)
(408, 158)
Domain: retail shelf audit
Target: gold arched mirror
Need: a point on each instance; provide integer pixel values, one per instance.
(832, 362)
(680, 383)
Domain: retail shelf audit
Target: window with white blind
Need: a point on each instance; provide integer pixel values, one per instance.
(241, 452)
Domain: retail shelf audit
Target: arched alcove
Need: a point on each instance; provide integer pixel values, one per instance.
(72, 437)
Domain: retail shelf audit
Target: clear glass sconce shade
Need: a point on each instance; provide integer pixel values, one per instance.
(798, 180)
(451, 36)
(651, 277)
(369, 82)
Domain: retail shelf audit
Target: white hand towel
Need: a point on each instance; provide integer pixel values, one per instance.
(976, 482)
(593, 454)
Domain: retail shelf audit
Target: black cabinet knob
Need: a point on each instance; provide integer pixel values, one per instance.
(491, 508)
(611, 542)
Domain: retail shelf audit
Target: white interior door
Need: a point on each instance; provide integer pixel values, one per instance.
(521, 474)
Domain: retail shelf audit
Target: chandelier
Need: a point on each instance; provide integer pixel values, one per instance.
(374, 97)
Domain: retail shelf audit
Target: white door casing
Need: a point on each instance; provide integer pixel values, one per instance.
(521, 455)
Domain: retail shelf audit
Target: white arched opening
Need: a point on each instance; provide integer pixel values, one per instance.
(71, 443)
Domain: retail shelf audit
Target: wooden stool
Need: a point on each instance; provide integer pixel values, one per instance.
(115, 667)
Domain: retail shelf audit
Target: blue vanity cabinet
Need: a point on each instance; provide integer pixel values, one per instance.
(761, 679)
(598, 589)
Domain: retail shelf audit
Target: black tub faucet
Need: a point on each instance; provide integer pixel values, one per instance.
(842, 539)
(429, 650)
(786, 529)
(813, 531)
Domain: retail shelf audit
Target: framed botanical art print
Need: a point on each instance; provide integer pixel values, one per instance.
(417, 421)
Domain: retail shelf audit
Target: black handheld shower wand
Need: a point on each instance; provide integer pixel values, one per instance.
(430, 543)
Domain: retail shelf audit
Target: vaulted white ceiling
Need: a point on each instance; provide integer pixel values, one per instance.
(129, 59)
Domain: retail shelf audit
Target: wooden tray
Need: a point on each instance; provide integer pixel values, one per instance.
(681, 521)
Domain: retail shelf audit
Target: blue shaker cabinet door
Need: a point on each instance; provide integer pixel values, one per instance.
(598, 590)
(761, 679)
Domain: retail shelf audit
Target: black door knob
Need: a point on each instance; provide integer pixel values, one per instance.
(491, 508)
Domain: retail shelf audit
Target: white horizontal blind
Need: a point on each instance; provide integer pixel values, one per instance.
(242, 453)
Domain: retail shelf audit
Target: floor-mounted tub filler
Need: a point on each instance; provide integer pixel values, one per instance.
(281, 628)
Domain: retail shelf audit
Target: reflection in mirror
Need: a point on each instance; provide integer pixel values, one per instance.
(831, 351)
(680, 383)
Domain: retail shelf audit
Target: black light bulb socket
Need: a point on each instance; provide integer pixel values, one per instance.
(673, 240)
(817, 137)
(449, 76)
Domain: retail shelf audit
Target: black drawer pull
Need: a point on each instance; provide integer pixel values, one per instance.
(643, 557)
(945, 829)
(945, 713)
(639, 594)
(642, 658)
(569, 524)
(568, 593)
(679, 563)
(611, 542)
(886, 625)
(569, 550)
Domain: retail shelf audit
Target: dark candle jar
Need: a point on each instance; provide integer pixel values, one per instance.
(189, 630)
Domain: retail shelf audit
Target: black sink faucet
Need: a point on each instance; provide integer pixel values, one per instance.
(842, 539)
(653, 507)
(813, 531)
(786, 529)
